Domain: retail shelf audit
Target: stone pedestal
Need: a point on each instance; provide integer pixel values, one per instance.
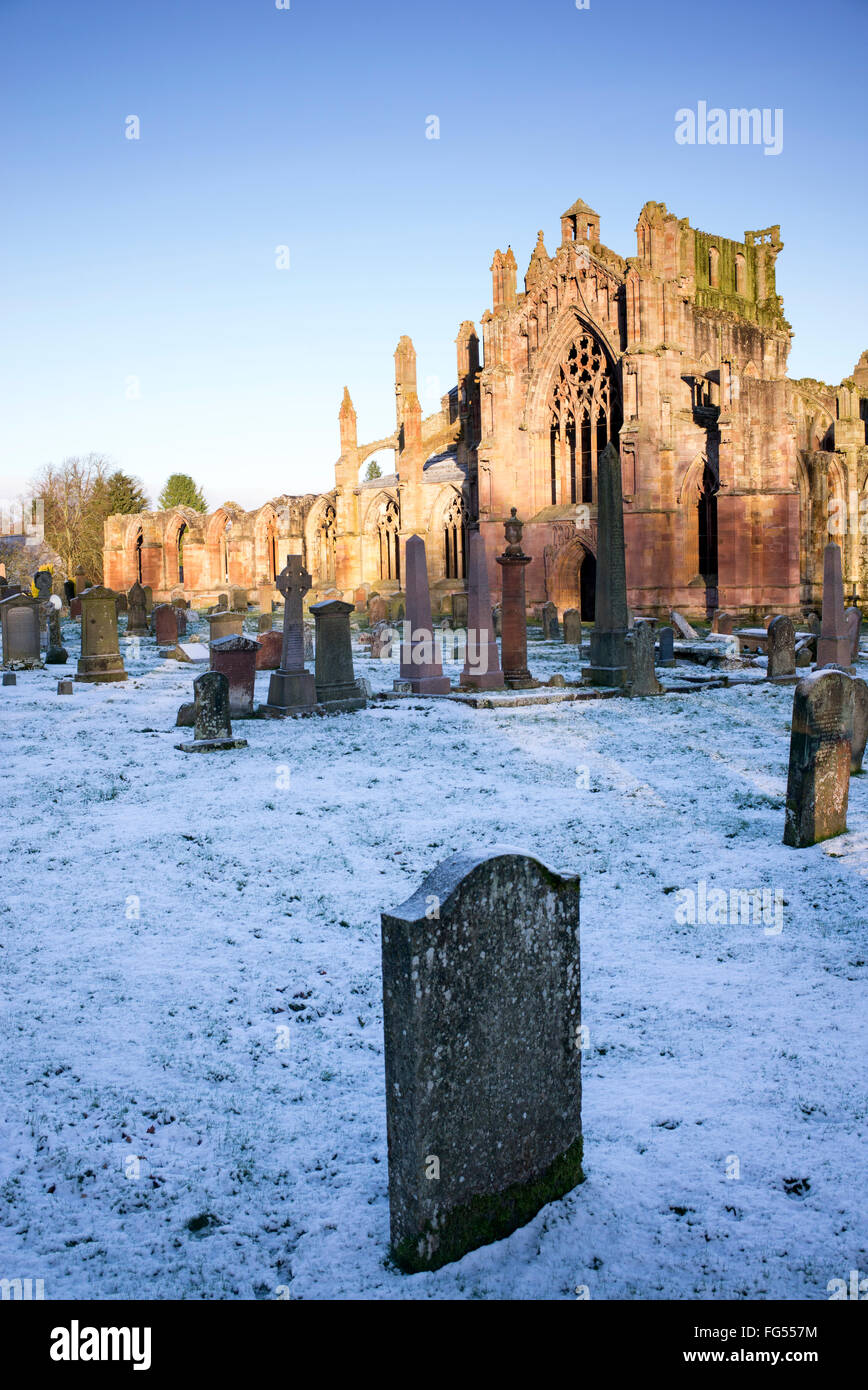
(336, 688)
(513, 608)
(100, 660)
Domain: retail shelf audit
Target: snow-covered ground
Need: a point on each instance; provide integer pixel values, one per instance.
(190, 1016)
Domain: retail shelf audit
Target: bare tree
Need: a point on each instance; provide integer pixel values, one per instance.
(73, 494)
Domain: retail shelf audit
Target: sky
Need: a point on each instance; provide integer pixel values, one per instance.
(148, 311)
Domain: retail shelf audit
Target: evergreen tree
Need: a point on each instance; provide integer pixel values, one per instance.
(181, 491)
(374, 471)
(122, 494)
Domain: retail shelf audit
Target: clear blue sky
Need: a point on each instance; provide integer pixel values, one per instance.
(305, 127)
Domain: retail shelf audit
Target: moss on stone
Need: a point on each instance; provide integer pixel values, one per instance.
(485, 1219)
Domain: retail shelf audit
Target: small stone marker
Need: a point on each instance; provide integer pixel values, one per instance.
(853, 623)
(684, 629)
(513, 605)
(57, 655)
(608, 664)
(64, 687)
(726, 623)
(666, 646)
(236, 658)
(292, 689)
(482, 659)
(820, 751)
(781, 649)
(421, 660)
(833, 647)
(336, 688)
(265, 598)
(100, 660)
(549, 620)
(192, 651)
(481, 1006)
(10, 678)
(860, 724)
(572, 628)
(812, 623)
(166, 625)
(21, 632)
(640, 646)
(213, 727)
(137, 612)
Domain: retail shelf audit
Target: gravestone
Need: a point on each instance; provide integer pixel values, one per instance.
(640, 649)
(377, 609)
(21, 633)
(149, 600)
(43, 581)
(57, 655)
(181, 619)
(292, 689)
(383, 637)
(812, 623)
(572, 628)
(236, 658)
(608, 639)
(833, 646)
(75, 607)
(64, 687)
(482, 1027)
(121, 603)
(100, 660)
(68, 591)
(421, 662)
(497, 619)
(265, 623)
(853, 623)
(481, 658)
(781, 649)
(397, 608)
(726, 623)
(165, 625)
(222, 604)
(238, 600)
(804, 653)
(265, 596)
(820, 750)
(860, 724)
(666, 646)
(460, 610)
(213, 727)
(10, 678)
(549, 618)
(137, 612)
(684, 629)
(224, 624)
(270, 650)
(309, 640)
(336, 688)
(513, 607)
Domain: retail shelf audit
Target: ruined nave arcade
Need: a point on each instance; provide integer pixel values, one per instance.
(734, 475)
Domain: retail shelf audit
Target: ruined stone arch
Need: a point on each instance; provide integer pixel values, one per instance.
(447, 532)
(218, 545)
(177, 527)
(321, 541)
(572, 580)
(266, 558)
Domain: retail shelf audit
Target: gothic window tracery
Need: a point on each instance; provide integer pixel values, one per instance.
(585, 416)
(328, 545)
(454, 539)
(390, 553)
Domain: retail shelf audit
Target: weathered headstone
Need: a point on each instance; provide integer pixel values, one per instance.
(336, 687)
(292, 689)
(460, 610)
(397, 608)
(666, 646)
(421, 662)
(812, 623)
(482, 1023)
(10, 678)
(238, 600)
(137, 612)
(309, 640)
(820, 750)
(726, 623)
(149, 599)
(64, 687)
(572, 628)
(383, 638)
(57, 655)
(781, 649)
(121, 603)
(853, 623)
(860, 724)
(75, 607)
(640, 651)
(377, 609)
(833, 647)
(513, 607)
(549, 620)
(236, 658)
(265, 622)
(270, 650)
(100, 660)
(165, 625)
(21, 634)
(265, 596)
(608, 640)
(497, 619)
(481, 660)
(224, 624)
(213, 726)
(804, 654)
(684, 628)
(222, 604)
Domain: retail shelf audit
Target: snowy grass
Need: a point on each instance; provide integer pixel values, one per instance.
(191, 1011)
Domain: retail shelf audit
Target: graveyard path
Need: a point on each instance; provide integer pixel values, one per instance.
(191, 1018)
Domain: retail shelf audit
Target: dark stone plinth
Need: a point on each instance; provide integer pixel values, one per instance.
(213, 727)
(291, 692)
(820, 750)
(608, 664)
(100, 661)
(336, 688)
(481, 1004)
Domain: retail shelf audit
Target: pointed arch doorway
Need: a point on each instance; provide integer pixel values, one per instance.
(573, 582)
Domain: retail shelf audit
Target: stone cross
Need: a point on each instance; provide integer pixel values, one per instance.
(608, 639)
(834, 645)
(781, 649)
(482, 1029)
(293, 583)
(818, 783)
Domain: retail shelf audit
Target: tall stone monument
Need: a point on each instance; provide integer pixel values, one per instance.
(608, 640)
(292, 689)
(513, 607)
(421, 660)
(336, 687)
(482, 1025)
(100, 660)
(834, 644)
(820, 750)
(482, 660)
